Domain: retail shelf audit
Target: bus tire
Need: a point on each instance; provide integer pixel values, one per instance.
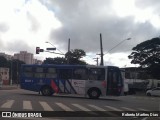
(46, 91)
(94, 93)
(148, 94)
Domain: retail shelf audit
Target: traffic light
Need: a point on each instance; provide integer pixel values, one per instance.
(37, 50)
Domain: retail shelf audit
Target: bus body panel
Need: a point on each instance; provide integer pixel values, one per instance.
(62, 80)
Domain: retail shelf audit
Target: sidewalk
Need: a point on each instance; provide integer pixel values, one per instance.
(9, 87)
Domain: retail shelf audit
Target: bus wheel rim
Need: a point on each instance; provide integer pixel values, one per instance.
(94, 93)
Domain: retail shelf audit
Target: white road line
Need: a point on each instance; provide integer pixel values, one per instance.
(27, 105)
(145, 118)
(8, 104)
(129, 109)
(113, 108)
(64, 107)
(81, 107)
(143, 109)
(97, 108)
(45, 106)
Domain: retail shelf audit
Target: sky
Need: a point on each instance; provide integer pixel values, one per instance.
(27, 24)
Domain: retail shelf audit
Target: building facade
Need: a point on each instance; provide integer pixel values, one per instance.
(8, 57)
(25, 57)
(4, 76)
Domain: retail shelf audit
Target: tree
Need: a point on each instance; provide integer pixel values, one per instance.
(15, 67)
(147, 55)
(57, 60)
(74, 56)
(3, 62)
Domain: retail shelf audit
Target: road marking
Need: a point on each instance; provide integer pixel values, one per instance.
(129, 109)
(64, 107)
(96, 107)
(143, 109)
(27, 105)
(145, 118)
(113, 108)
(134, 97)
(81, 107)
(45, 106)
(8, 104)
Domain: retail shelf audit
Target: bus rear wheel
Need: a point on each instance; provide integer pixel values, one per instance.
(94, 93)
(46, 91)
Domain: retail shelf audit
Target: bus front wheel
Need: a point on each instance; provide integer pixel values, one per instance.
(46, 91)
(94, 93)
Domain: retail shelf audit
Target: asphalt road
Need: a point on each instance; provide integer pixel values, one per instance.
(23, 101)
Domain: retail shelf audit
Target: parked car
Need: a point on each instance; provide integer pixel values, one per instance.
(153, 92)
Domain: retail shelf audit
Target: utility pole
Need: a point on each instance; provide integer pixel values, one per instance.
(96, 59)
(68, 51)
(68, 44)
(101, 47)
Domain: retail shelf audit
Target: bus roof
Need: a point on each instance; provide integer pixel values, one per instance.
(65, 65)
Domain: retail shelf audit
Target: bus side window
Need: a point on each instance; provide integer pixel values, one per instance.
(39, 72)
(28, 72)
(80, 74)
(96, 74)
(65, 73)
(50, 72)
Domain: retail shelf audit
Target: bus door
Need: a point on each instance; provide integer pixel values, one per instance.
(65, 80)
(114, 81)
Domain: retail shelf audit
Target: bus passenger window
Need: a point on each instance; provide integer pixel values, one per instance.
(96, 74)
(39, 75)
(39, 69)
(80, 74)
(50, 72)
(28, 72)
(65, 73)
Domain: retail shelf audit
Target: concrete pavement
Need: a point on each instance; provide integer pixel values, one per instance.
(9, 87)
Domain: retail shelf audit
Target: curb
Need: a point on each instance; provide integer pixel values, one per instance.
(9, 87)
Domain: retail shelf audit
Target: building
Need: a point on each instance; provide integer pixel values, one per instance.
(8, 57)
(25, 57)
(4, 76)
(136, 73)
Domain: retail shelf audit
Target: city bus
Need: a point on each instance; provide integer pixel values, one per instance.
(90, 81)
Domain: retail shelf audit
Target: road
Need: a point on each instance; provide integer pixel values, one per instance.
(22, 100)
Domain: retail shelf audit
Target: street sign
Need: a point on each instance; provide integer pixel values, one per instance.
(50, 48)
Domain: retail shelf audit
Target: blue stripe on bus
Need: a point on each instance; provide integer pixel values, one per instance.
(64, 84)
(71, 86)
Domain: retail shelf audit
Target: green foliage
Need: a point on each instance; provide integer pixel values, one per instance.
(3, 62)
(72, 57)
(147, 55)
(57, 60)
(75, 54)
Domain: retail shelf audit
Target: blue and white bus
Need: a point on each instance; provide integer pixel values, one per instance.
(90, 81)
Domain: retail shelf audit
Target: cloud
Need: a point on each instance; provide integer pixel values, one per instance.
(4, 27)
(35, 25)
(83, 21)
(32, 22)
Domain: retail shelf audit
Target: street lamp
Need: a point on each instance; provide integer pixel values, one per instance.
(117, 45)
(113, 47)
(54, 46)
